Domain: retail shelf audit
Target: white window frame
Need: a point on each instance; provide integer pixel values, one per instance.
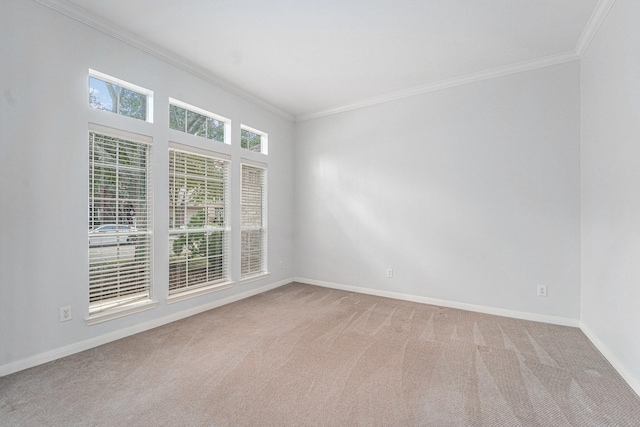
(200, 288)
(264, 139)
(263, 227)
(197, 110)
(109, 308)
(130, 86)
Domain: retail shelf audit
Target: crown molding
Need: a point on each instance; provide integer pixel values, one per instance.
(83, 16)
(448, 83)
(595, 21)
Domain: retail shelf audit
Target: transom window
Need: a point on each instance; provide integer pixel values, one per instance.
(196, 121)
(117, 96)
(253, 139)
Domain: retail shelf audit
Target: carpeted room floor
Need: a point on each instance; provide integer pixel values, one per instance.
(302, 355)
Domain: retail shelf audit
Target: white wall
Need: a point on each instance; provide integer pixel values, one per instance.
(470, 194)
(610, 154)
(45, 57)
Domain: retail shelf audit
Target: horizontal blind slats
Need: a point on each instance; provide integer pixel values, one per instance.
(198, 220)
(119, 196)
(253, 221)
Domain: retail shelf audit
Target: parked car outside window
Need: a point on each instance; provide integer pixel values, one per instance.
(111, 234)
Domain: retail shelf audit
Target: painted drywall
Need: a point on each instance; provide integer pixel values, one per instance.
(469, 194)
(610, 177)
(44, 116)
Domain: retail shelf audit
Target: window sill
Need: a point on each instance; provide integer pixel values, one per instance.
(192, 293)
(114, 313)
(254, 278)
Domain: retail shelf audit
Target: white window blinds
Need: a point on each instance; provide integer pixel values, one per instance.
(119, 222)
(198, 220)
(254, 221)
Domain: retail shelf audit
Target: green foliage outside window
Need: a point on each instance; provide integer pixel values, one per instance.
(195, 124)
(250, 141)
(124, 102)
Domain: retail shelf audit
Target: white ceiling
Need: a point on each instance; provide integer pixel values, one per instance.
(307, 57)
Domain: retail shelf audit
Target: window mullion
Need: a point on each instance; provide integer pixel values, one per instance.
(186, 127)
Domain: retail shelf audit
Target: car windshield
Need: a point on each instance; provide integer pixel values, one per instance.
(112, 227)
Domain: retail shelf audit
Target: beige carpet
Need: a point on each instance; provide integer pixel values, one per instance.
(302, 355)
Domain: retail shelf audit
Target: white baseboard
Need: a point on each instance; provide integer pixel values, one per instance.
(68, 350)
(564, 321)
(633, 382)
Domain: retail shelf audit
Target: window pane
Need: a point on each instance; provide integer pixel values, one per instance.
(196, 124)
(215, 129)
(250, 141)
(177, 118)
(132, 104)
(111, 97)
(99, 97)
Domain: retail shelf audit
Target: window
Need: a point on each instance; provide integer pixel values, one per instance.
(117, 96)
(253, 221)
(198, 220)
(119, 221)
(196, 121)
(253, 140)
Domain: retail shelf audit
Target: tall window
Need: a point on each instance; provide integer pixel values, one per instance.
(119, 221)
(198, 220)
(254, 221)
(117, 96)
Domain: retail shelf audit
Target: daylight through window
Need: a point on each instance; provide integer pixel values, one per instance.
(253, 140)
(254, 221)
(198, 220)
(195, 121)
(119, 221)
(110, 94)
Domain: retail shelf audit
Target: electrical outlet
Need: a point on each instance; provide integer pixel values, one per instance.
(65, 313)
(542, 291)
(389, 272)
(281, 265)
